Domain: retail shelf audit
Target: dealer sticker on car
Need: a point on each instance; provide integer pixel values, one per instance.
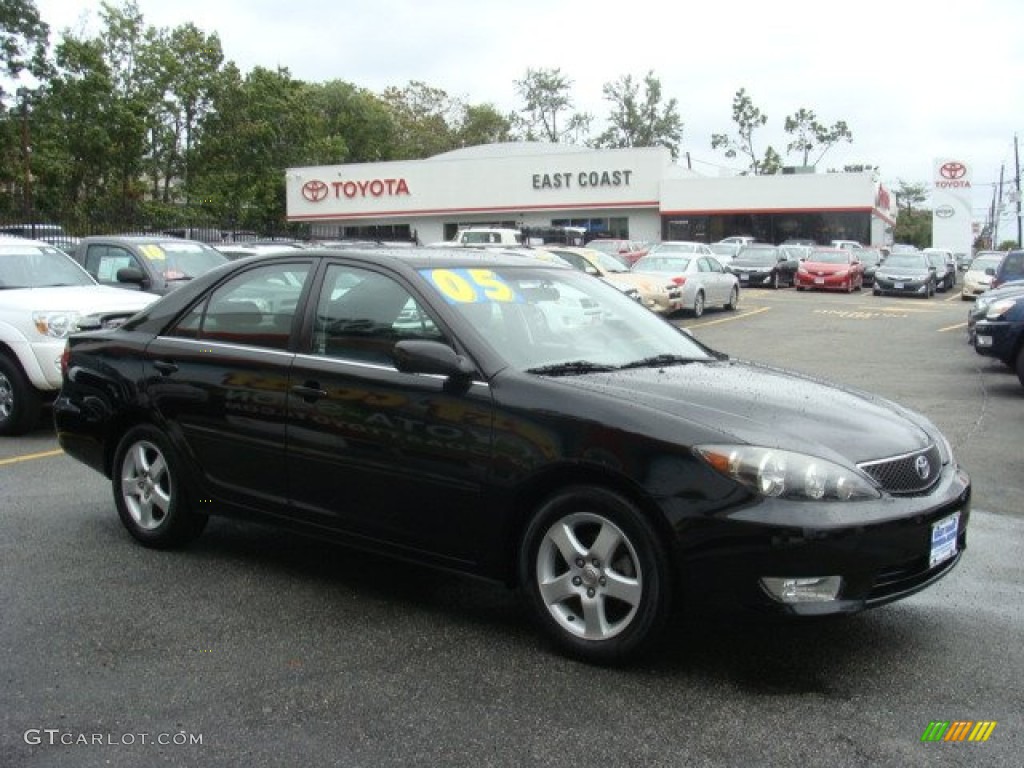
(944, 533)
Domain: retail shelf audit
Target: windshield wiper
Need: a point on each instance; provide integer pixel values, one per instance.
(659, 361)
(571, 368)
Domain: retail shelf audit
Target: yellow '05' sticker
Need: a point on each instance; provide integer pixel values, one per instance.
(153, 252)
(470, 286)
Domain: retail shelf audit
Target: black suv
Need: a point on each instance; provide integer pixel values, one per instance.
(144, 262)
(1010, 268)
(995, 325)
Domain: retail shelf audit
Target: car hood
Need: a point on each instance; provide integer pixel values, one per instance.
(761, 405)
(88, 299)
(884, 270)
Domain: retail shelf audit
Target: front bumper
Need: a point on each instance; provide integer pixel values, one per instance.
(901, 286)
(823, 282)
(995, 338)
(884, 552)
(753, 277)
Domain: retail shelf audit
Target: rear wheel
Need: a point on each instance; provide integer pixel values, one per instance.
(19, 401)
(150, 491)
(596, 574)
(734, 298)
(698, 304)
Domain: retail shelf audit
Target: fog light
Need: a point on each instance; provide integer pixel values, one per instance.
(983, 341)
(816, 589)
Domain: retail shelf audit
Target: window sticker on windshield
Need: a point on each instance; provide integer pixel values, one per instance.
(153, 252)
(470, 286)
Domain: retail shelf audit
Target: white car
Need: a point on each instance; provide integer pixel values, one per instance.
(45, 296)
(978, 277)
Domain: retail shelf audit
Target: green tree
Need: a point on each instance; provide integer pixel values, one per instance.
(360, 124)
(23, 41)
(259, 126)
(637, 121)
(546, 95)
(748, 119)
(908, 195)
(914, 226)
(424, 118)
(811, 135)
(482, 124)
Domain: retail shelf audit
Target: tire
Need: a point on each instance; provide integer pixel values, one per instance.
(734, 299)
(20, 403)
(1020, 365)
(596, 575)
(698, 304)
(150, 491)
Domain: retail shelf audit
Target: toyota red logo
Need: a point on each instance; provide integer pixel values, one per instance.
(314, 191)
(953, 171)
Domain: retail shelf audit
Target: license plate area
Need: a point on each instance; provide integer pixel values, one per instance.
(944, 538)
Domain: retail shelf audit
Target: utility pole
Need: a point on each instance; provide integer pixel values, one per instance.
(999, 209)
(1016, 161)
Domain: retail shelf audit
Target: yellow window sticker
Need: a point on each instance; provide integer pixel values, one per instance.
(470, 286)
(153, 252)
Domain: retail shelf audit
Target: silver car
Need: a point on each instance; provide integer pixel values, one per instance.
(702, 279)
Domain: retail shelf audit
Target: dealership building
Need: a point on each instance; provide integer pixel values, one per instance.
(640, 194)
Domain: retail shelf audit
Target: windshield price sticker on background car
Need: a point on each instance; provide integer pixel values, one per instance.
(153, 252)
(470, 286)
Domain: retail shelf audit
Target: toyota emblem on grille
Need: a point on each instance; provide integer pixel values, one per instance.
(922, 467)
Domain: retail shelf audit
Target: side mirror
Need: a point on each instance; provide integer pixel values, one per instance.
(132, 275)
(432, 357)
(990, 271)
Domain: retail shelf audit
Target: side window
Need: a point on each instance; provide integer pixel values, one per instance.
(255, 308)
(703, 265)
(104, 261)
(362, 314)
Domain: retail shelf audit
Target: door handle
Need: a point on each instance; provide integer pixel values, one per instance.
(166, 367)
(310, 391)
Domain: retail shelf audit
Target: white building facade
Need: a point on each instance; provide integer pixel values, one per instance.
(638, 194)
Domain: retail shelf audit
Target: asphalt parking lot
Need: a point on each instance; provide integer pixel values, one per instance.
(261, 649)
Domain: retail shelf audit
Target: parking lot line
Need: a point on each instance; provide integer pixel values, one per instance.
(730, 318)
(31, 457)
(952, 327)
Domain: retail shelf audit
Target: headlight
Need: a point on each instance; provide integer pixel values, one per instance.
(775, 473)
(844, 273)
(58, 325)
(999, 308)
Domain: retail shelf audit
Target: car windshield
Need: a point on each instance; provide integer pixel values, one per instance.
(608, 246)
(661, 264)
(607, 262)
(675, 248)
(37, 266)
(981, 263)
(723, 249)
(937, 259)
(904, 260)
(869, 256)
(830, 257)
(181, 260)
(561, 321)
(758, 255)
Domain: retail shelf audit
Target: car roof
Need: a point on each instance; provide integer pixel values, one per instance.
(141, 239)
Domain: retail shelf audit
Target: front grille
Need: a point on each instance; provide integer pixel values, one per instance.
(913, 473)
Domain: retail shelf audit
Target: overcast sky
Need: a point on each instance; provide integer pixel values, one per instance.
(915, 80)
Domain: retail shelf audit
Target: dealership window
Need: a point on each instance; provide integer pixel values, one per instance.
(822, 227)
(616, 227)
(451, 229)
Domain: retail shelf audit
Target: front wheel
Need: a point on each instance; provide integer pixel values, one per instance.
(596, 574)
(150, 491)
(19, 401)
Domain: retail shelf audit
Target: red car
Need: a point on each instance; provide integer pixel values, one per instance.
(830, 269)
(626, 251)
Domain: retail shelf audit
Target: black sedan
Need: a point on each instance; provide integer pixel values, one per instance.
(762, 265)
(517, 420)
(906, 273)
(995, 325)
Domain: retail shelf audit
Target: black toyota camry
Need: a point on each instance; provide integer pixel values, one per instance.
(517, 420)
